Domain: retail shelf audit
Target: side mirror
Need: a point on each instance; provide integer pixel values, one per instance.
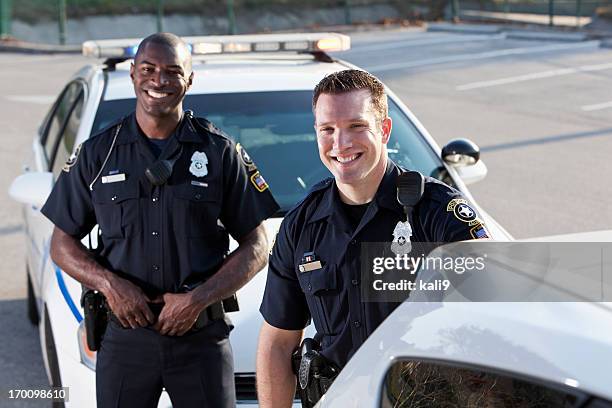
(472, 174)
(461, 153)
(32, 188)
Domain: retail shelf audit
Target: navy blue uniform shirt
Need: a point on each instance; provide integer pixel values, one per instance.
(161, 237)
(331, 295)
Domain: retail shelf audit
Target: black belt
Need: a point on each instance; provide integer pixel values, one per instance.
(206, 316)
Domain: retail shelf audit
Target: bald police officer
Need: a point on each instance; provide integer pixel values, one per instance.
(166, 190)
(314, 266)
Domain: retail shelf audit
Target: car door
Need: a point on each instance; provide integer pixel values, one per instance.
(54, 146)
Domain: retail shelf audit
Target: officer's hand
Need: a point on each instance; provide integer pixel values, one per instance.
(178, 315)
(128, 303)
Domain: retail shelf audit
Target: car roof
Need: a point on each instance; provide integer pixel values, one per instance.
(242, 74)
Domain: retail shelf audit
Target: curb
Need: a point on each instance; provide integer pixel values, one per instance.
(513, 33)
(29, 48)
(464, 28)
(543, 35)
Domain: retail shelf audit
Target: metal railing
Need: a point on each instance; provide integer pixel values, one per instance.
(63, 10)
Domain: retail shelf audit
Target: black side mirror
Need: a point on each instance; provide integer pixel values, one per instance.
(461, 152)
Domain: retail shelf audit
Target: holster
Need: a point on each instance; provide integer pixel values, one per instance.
(315, 373)
(95, 312)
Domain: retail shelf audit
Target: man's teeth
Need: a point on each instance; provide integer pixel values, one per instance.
(347, 158)
(154, 94)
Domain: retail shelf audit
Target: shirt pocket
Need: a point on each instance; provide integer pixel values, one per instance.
(116, 207)
(323, 296)
(198, 207)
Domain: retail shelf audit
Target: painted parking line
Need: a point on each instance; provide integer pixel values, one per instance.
(447, 39)
(597, 106)
(533, 76)
(35, 99)
(485, 55)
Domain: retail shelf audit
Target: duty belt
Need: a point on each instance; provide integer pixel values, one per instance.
(206, 316)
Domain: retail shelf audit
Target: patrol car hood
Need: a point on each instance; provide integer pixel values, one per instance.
(533, 339)
(248, 320)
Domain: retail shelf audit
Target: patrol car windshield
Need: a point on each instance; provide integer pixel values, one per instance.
(276, 129)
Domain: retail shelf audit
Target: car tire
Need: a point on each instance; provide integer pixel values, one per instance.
(33, 315)
(56, 379)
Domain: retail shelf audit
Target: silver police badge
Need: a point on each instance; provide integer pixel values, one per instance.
(198, 164)
(401, 244)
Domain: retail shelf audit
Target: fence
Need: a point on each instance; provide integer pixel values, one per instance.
(62, 10)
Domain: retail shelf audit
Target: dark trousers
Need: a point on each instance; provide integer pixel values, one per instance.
(197, 369)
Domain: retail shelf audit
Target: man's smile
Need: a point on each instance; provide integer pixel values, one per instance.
(347, 159)
(157, 95)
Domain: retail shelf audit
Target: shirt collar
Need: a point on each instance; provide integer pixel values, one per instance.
(130, 131)
(386, 196)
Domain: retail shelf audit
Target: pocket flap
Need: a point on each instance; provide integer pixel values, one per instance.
(318, 281)
(114, 193)
(197, 193)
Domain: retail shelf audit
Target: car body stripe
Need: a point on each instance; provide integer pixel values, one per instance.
(62, 285)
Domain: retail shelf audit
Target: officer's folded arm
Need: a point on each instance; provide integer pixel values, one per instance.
(127, 301)
(275, 379)
(182, 309)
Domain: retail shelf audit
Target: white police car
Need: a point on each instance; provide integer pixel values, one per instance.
(495, 353)
(258, 89)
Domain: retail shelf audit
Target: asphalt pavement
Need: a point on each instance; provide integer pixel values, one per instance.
(30, 83)
(540, 109)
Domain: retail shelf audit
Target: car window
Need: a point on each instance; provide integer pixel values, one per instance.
(65, 143)
(276, 128)
(55, 123)
(417, 384)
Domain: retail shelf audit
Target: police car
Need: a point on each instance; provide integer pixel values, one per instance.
(493, 354)
(258, 89)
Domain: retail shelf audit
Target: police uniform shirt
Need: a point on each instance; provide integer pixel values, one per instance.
(318, 228)
(161, 237)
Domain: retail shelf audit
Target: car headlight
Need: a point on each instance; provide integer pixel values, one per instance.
(88, 357)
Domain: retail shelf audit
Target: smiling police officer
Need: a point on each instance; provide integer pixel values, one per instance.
(166, 189)
(315, 263)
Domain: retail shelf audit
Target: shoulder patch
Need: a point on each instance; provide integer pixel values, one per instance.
(245, 158)
(479, 231)
(259, 182)
(73, 159)
(462, 210)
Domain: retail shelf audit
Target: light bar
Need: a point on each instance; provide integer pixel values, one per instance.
(229, 44)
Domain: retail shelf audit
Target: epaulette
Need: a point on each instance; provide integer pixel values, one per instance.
(439, 191)
(320, 186)
(207, 126)
(108, 129)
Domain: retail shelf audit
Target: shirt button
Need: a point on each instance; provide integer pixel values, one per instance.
(155, 267)
(357, 323)
(309, 288)
(155, 233)
(355, 282)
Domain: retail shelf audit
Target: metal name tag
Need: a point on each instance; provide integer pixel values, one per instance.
(113, 179)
